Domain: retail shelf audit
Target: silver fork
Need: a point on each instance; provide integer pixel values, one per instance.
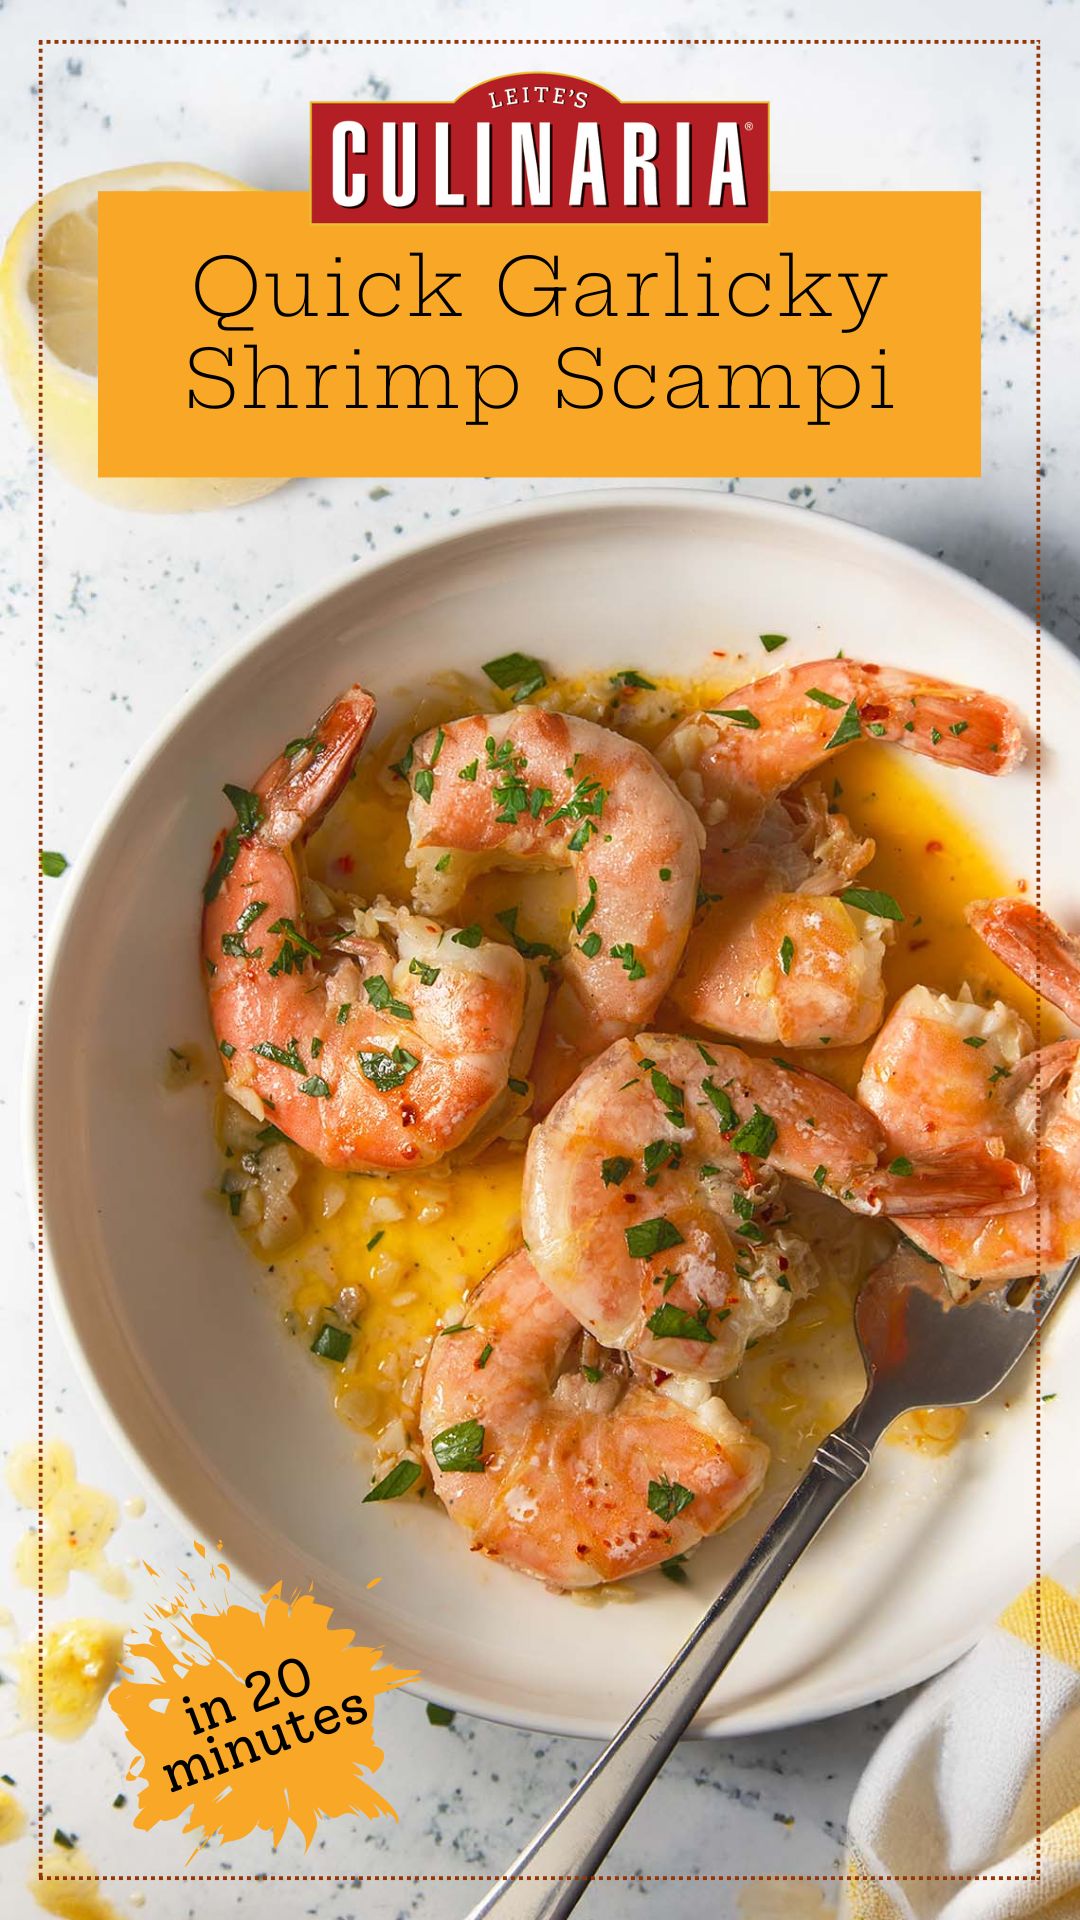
(920, 1349)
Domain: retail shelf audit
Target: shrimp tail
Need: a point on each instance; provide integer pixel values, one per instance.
(1033, 947)
(954, 726)
(970, 1178)
(301, 785)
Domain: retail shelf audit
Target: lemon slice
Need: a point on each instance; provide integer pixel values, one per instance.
(68, 292)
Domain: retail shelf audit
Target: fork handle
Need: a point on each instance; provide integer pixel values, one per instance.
(547, 1880)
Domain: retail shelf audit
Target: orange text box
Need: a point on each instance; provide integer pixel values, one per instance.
(236, 338)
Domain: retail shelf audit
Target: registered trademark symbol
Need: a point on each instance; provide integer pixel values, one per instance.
(748, 126)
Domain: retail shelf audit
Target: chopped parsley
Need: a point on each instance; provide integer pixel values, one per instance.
(469, 772)
(652, 1236)
(395, 1483)
(428, 975)
(227, 1049)
(54, 864)
(667, 1498)
(850, 728)
(470, 936)
(821, 1174)
(824, 699)
(629, 677)
(871, 900)
(485, 1355)
(440, 1716)
(614, 1171)
(757, 1135)
(675, 1568)
(343, 1012)
(386, 1070)
(590, 946)
(787, 953)
(974, 1040)
(233, 943)
(459, 1449)
(624, 951)
(529, 949)
(585, 913)
(670, 1096)
(294, 949)
(674, 1323)
(518, 1086)
(742, 716)
(424, 784)
(311, 744)
(249, 814)
(382, 999)
(901, 1165)
(331, 1343)
(658, 1155)
(771, 641)
(722, 1104)
(517, 674)
(281, 1056)
(316, 1086)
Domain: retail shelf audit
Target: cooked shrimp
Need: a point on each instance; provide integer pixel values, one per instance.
(538, 789)
(945, 1073)
(733, 760)
(795, 969)
(368, 1057)
(801, 844)
(1034, 947)
(652, 1203)
(561, 1463)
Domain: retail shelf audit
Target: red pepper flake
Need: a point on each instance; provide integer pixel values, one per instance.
(659, 1376)
(913, 946)
(868, 667)
(872, 711)
(1021, 886)
(408, 1116)
(344, 863)
(783, 1262)
(749, 1166)
(408, 1151)
(935, 846)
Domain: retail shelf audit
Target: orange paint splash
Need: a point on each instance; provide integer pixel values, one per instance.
(255, 1720)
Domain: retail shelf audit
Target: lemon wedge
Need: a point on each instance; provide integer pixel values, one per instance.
(68, 295)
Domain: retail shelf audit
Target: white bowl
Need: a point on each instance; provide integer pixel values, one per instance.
(163, 1304)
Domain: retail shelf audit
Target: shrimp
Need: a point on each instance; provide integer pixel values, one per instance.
(652, 1200)
(557, 1459)
(795, 969)
(799, 972)
(371, 1053)
(733, 760)
(944, 1073)
(538, 789)
(802, 844)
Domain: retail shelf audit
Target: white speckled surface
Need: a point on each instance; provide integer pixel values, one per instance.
(136, 608)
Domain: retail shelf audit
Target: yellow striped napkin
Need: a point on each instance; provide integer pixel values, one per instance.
(948, 1822)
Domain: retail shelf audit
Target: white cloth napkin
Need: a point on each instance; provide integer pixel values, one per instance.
(944, 1823)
